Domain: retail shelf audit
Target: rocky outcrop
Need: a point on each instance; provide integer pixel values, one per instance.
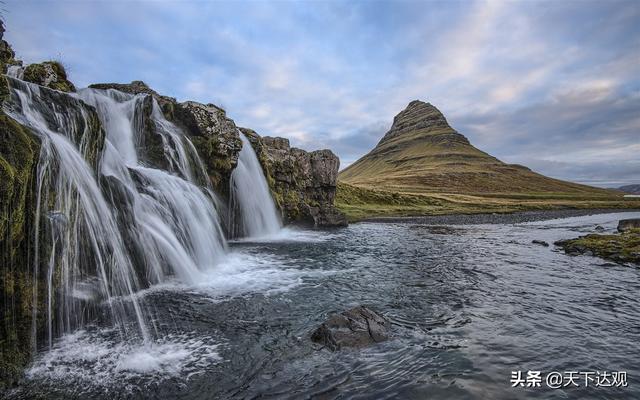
(420, 115)
(628, 224)
(358, 327)
(49, 74)
(303, 183)
(215, 136)
(7, 55)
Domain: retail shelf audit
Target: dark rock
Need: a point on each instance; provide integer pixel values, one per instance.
(540, 242)
(628, 224)
(358, 327)
(598, 228)
(303, 183)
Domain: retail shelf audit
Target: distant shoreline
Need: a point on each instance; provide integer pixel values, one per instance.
(496, 218)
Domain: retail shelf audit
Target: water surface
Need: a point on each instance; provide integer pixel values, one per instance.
(469, 304)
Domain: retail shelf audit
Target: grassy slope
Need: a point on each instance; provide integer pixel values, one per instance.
(423, 166)
(360, 203)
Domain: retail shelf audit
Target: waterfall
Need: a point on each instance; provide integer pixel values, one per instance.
(109, 222)
(15, 71)
(254, 213)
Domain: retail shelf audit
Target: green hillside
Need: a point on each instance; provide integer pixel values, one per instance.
(422, 155)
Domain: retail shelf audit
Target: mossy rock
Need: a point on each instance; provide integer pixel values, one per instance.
(19, 151)
(620, 248)
(49, 74)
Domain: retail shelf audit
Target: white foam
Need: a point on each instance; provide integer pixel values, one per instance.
(100, 359)
(289, 235)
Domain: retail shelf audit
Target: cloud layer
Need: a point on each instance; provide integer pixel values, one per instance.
(552, 85)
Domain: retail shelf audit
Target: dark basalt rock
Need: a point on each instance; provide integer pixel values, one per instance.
(540, 242)
(628, 224)
(303, 183)
(358, 327)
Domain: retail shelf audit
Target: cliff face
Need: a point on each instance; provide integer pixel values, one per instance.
(19, 151)
(303, 183)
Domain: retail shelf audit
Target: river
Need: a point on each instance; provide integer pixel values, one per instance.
(470, 304)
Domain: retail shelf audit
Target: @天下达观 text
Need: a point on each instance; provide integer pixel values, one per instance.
(567, 379)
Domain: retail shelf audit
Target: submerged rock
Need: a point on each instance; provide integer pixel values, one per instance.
(598, 228)
(628, 224)
(357, 327)
(540, 242)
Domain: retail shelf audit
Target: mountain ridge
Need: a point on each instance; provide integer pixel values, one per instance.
(422, 153)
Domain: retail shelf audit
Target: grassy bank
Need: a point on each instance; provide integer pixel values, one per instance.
(623, 247)
(359, 203)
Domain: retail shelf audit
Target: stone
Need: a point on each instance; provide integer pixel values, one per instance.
(303, 183)
(357, 327)
(540, 242)
(598, 228)
(628, 224)
(49, 74)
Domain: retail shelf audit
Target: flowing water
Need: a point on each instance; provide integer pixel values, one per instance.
(469, 304)
(253, 210)
(105, 229)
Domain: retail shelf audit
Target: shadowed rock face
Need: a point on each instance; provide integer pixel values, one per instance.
(358, 327)
(628, 224)
(420, 115)
(303, 183)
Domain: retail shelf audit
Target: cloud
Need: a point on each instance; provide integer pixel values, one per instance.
(521, 79)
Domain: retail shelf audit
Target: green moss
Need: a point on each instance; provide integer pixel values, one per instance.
(624, 247)
(50, 74)
(18, 158)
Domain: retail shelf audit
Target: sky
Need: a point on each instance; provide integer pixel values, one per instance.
(553, 85)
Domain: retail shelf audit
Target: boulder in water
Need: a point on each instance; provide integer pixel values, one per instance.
(357, 327)
(628, 224)
(540, 242)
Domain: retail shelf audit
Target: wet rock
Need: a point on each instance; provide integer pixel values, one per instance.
(540, 242)
(628, 224)
(598, 228)
(357, 327)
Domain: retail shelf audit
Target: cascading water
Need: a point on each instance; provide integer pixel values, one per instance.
(15, 71)
(253, 211)
(108, 223)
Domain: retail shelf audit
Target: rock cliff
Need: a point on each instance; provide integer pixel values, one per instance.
(303, 183)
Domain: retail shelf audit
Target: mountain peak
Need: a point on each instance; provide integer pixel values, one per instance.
(417, 115)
